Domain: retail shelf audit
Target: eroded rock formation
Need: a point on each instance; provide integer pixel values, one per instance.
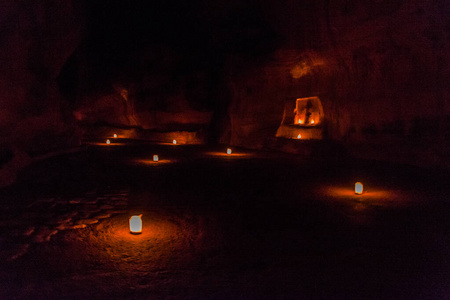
(379, 69)
(36, 40)
(228, 68)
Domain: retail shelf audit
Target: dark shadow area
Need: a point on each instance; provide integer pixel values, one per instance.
(251, 224)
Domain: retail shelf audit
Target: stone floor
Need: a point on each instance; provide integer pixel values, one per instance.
(251, 225)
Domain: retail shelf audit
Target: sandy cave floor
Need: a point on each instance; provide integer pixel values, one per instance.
(253, 225)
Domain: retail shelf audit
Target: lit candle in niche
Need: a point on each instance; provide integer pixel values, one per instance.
(300, 121)
(155, 158)
(108, 142)
(136, 224)
(299, 136)
(228, 151)
(174, 142)
(312, 122)
(115, 135)
(359, 188)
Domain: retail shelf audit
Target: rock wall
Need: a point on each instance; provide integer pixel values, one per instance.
(36, 38)
(148, 97)
(380, 69)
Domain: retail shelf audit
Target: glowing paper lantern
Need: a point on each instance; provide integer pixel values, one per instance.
(115, 135)
(228, 151)
(299, 136)
(136, 224)
(108, 142)
(359, 188)
(174, 142)
(155, 158)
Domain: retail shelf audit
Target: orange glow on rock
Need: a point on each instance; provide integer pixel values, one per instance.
(108, 142)
(228, 151)
(136, 224)
(232, 155)
(308, 111)
(359, 188)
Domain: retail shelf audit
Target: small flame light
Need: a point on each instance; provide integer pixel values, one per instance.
(155, 158)
(300, 121)
(136, 224)
(312, 122)
(228, 151)
(174, 142)
(108, 142)
(359, 188)
(299, 136)
(115, 135)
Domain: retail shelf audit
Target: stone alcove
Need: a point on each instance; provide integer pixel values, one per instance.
(302, 119)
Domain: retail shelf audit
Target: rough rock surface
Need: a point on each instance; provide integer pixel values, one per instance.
(36, 40)
(42, 219)
(253, 225)
(379, 69)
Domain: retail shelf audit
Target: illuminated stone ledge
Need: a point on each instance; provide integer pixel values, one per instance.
(233, 154)
(293, 132)
(112, 143)
(151, 162)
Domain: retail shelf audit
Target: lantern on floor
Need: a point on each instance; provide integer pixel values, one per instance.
(115, 135)
(299, 136)
(312, 122)
(300, 121)
(108, 142)
(136, 224)
(228, 151)
(155, 158)
(174, 142)
(359, 188)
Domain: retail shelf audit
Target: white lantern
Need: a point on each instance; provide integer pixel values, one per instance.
(108, 142)
(115, 135)
(174, 142)
(136, 224)
(155, 158)
(359, 188)
(228, 151)
(299, 136)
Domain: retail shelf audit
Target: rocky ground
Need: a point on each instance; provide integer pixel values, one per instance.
(251, 225)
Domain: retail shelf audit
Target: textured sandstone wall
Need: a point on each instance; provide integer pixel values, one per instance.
(36, 38)
(380, 69)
